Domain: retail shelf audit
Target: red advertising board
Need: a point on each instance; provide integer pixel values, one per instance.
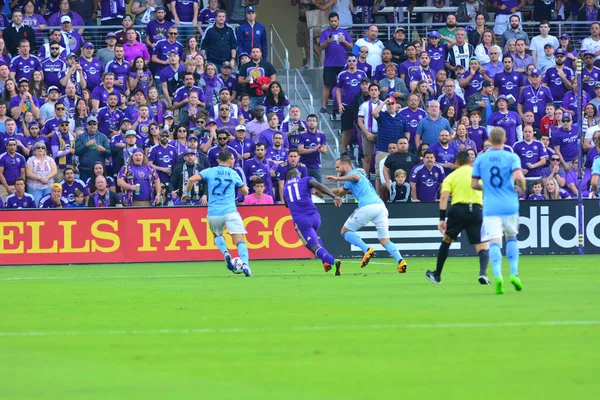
(120, 235)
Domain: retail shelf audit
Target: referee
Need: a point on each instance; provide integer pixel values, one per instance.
(465, 214)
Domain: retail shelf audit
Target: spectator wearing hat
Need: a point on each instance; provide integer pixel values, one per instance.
(163, 157)
(156, 29)
(74, 74)
(62, 146)
(515, 32)
(252, 34)
(92, 67)
(17, 31)
(589, 74)
(397, 45)
(50, 126)
(596, 100)
(438, 53)
(535, 97)
(23, 65)
(91, 146)
(139, 181)
(510, 121)
(71, 39)
(54, 199)
(24, 102)
(193, 143)
(472, 79)
(123, 144)
(181, 175)
(47, 109)
(107, 54)
(546, 60)
(162, 50)
(558, 77)
(483, 101)
(243, 145)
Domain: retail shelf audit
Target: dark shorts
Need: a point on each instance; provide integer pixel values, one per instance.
(307, 227)
(460, 218)
(330, 75)
(348, 118)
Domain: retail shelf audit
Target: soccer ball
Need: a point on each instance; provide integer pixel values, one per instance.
(237, 265)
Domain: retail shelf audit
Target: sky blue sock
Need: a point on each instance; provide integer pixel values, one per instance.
(353, 238)
(220, 242)
(496, 259)
(393, 250)
(324, 256)
(512, 253)
(243, 252)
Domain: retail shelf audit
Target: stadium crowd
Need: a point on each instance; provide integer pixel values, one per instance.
(127, 118)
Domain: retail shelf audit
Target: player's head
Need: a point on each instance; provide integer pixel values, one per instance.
(462, 158)
(343, 165)
(497, 136)
(226, 158)
(292, 173)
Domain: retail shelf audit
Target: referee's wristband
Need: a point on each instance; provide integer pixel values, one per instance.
(442, 215)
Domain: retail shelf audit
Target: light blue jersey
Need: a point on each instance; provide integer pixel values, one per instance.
(222, 183)
(362, 190)
(596, 167)
(495, 168)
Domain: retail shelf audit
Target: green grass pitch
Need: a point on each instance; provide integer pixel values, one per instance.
(194, 330)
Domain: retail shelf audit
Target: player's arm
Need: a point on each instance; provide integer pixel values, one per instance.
(341, 192)
(475, 182)
(325, 190)
(244, 190)
(594, 183)
(345, 178)
(188, 188)
(520, 179)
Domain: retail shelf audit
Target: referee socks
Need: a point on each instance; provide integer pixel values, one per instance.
(484, 259)
(441, 258)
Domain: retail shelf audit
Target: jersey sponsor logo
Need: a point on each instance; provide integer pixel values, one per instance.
(510, 86)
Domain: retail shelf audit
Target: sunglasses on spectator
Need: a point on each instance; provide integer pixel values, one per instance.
(65, 124)
(351, 61)
(222, 138)
(54, 48)
(154, 127)
(566, 120)
(60, 109)
(364, 51)
(224, 109)
(40, 147)
(555, 159)
(173, 33)
(201, 121)
(181, 130)
(92, 123)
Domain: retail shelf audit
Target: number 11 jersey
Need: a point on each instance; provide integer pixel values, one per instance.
(298, 197)
(495, 169)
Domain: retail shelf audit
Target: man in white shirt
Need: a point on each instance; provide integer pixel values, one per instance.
(592, 42)
(537, 43)
(368, 125)
(374, 45)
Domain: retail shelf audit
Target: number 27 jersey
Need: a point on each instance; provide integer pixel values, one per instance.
(495, 169)
(222, 183)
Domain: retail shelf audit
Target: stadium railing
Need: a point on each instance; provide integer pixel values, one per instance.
(274, 42)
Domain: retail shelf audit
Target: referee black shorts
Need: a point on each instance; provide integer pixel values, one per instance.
(460, 218)
(330, 75)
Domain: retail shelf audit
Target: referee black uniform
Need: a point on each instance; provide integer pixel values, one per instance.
(465, 214)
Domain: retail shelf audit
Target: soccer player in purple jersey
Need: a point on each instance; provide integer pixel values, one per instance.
(297, 192)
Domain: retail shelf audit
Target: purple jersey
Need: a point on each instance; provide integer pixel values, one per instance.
(427, 182)
(509, 121)
(276, 155)
(365, 67)
(379, 72)
(183, 92)
(34, 21)
(438, 56)
(555, 83)
(478, 135)
(69, 189)
(12, 166)
(530, 153)
(311, 141)
(247, 146)
(456, 101)
(247, 114)
(24, 67)
(14, 202)
(143, 175)
(510, 4)
(228, 126)
(157, 31)
(54, 70)
(109, 120)
(213, 155)
(254, 166)
(277, 109)
(588, 86)
(335, 53)
(206, 16)
(422, 74)
(230, 82)
(120, 69)
(475, 85)
(281, 171)
(163, 157)
(101, 94)
(444, 155)
(534, 196)
(570, 101)
(266, 137)
(112, 9)
(47, 202)
(297, 193)
(406, 68)
(567, 142)
(63, 143)
(591, 157)
(412, 118)
(509, 83)
(185, 9)
(535, 100)
(93, 72)
(73, 41)
(15, 101)
(162, 50)
(349, 83)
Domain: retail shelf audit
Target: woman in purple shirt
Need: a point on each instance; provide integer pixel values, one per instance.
(33, 19)
(140, 76)
(213, 85)
(276, 101)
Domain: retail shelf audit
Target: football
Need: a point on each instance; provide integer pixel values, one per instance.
(237, 265)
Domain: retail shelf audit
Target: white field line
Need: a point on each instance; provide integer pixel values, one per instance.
(327, 328)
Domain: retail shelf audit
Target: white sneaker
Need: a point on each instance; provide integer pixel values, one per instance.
(246, 270)
(484, 280)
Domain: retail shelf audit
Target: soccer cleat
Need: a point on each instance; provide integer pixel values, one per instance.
(484, 280)
(327, 267)
(246, 270)
(402, 266)
(432, 278)
(516, 282)
(499, 286)
(338, 267)
(367, 257)
(228, 261)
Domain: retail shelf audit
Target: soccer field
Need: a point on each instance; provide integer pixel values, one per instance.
(194, 330)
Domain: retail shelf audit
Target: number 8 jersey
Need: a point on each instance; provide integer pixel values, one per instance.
(495, 169)
(222, 183)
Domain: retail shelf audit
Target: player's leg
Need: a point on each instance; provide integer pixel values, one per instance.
(379, 217)
(236, 229)
(217, 226)
(492, 231)
(359, 218)
(511, 225)
(320, 250)
(484, 258)
(473, 230)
